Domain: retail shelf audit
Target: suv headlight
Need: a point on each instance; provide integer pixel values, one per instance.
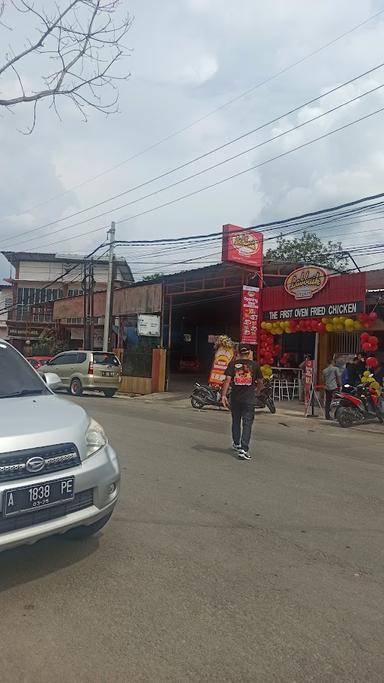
(95, 438)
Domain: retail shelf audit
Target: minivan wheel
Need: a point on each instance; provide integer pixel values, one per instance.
(76, 387)
(80, 532)
(109, 393)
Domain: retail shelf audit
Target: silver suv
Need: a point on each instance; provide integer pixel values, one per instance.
(90, 370)
(58, 473)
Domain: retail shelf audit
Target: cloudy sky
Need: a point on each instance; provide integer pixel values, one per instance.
(190, 57)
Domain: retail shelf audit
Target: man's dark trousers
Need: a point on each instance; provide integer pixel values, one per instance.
(243, 415)
(328, 398)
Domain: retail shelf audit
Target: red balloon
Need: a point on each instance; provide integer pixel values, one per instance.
(364, 337)
(373, 315)
(320, 327)
(372, 362)
(367, 347)
(373, 340)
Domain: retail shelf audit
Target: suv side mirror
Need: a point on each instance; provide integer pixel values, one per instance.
(52, 380)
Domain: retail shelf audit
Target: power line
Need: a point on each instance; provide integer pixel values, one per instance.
(233, 176)
(194, 123)
(210, 152)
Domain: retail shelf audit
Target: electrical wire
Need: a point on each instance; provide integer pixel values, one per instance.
(229, 102)
(206, 154)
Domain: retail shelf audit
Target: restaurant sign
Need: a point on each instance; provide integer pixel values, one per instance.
(249, 314)
(338, 295)
(242, 245)
(303, 283)
(350, 308)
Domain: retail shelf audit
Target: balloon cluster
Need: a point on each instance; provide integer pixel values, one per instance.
(266, 371)
(367, 319)
(368, 378)
(339, 323)
(267, 348)
(369, 343)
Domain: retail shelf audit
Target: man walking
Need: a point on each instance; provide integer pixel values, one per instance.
(332, 382)
(244, 375)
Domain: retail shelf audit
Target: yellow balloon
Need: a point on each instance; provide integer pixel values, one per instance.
(268, 326)
(375, 385)
(335, 320)
(357, 325)
(329, 327)
(263, 325)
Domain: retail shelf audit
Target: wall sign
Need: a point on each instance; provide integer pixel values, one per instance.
(341, 295)
(148, 325)
(303, 283)
(350, 308)
(242, 246)
(249, 314)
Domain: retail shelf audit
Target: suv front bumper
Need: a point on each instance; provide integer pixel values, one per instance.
(97, 483)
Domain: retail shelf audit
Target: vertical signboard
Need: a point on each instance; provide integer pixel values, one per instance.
(223, 357)
(250, 315)
(308, 382)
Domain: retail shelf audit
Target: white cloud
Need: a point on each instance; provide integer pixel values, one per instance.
(189, 57)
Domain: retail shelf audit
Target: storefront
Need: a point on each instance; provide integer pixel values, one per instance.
(321, 314)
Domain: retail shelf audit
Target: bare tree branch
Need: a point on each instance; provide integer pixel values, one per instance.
(77, 52)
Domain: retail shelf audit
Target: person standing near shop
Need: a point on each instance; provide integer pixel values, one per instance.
(246, 381)
(331, 382)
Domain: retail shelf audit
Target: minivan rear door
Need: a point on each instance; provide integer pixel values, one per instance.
(106, 365)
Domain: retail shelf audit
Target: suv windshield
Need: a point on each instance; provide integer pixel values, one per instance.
(105, 359)
(17, 377)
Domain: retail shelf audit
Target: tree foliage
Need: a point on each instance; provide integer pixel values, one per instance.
(72, 52)
(154, 276)
(309, 248)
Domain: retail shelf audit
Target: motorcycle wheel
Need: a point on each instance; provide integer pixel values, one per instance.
(196, 403)
(271, 406)
(346, 417)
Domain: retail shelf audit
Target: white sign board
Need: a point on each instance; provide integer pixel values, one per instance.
(148, 325)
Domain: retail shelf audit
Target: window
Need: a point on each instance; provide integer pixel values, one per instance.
(105, 359)
(17, 375)
(81, 357)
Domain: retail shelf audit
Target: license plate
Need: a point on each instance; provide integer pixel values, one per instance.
(108, 374)
(38, 496)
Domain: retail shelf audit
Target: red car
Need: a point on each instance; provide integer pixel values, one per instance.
(38, 361)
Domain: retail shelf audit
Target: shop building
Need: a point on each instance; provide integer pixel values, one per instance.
(5, 303)
(308, 309)
(40, 279)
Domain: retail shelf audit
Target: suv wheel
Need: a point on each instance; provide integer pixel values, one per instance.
(80, 532)
(76, 387)
(109, 393)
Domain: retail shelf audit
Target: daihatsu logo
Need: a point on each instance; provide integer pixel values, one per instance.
(35, 464)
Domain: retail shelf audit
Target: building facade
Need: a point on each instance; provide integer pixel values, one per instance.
(39, 280)
(5, 303)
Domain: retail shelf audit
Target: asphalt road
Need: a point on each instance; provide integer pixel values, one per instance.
(211, 569)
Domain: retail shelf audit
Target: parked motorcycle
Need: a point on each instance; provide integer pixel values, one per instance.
(206, 395)
(356, 407)
(265, 399)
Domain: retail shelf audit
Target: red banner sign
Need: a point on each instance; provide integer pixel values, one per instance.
(250, 315)
(308, 381)
(242, 246)
(223, 357)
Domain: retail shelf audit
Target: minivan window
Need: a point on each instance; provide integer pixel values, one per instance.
(18, 378)
(81, 358)
(106, 359)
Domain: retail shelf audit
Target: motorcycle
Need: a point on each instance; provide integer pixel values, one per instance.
(265, 399)
(206, 395)
(356, 407)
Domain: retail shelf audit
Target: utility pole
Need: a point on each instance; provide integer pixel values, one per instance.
(108, 299)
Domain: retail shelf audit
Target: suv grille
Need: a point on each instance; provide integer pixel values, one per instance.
(13, 466)
(80, 502)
